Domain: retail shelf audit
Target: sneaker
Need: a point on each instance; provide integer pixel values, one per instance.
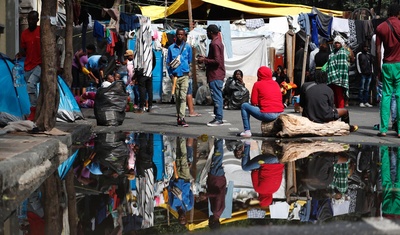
(284, 105)
(362, 105)
(353, 128)
(215, 122)
(182, 122)
(368, 105)
(246, 134)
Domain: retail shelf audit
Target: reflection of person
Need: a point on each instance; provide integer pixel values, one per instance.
(338, 71)
(266, 173)
(317, 101)
(235, 92)
(181, 73)
(216, 185)
(31, 49)
(388, 74)
(266, 101)
(180, 192)
(215, 72)
(390, 181)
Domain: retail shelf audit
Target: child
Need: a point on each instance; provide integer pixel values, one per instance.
(107, 83)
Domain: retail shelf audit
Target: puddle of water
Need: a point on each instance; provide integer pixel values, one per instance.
(158, 184)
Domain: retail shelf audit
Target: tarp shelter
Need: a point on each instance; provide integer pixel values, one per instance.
(256, 7)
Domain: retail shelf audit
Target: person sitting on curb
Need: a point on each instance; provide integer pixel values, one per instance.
(265, 103)
(316, 99)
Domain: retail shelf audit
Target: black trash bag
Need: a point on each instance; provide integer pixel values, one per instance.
(235, 93)
(110, 103)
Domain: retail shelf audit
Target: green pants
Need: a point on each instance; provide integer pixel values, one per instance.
(390, 83)
(182, 84)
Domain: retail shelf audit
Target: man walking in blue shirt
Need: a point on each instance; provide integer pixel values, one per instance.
(179, 71)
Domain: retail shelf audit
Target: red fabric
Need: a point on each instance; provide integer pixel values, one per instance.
(110, 47)
(266, 93)
(338, 93)
(36, 224)
(30, 42)
(389, 40)
(266, 181)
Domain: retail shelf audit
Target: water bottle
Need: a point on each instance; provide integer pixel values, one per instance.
(18, 74)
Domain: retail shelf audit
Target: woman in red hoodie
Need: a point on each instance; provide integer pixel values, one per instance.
(266, 101)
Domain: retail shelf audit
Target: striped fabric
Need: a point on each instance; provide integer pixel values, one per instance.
(143, 58)
(145, 199)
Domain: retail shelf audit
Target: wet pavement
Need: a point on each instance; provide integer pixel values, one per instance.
(145, 173)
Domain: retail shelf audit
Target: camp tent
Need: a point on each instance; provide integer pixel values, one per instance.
(256, 7)
(14, 101)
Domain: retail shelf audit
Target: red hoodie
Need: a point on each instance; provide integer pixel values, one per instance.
(266, 181)
(266, 93)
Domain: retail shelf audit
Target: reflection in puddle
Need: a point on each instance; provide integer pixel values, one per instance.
(161, 184)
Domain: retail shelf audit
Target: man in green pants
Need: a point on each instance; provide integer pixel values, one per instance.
(388, 34)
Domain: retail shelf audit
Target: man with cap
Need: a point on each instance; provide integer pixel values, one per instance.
(180, 74)
(215, 72)
(338, 72)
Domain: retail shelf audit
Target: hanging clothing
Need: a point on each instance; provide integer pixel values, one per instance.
(98, 30)
(143, 56)
(324, 23)
(128, 22)
(340, 25)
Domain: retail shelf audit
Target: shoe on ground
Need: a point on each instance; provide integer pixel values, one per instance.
(284, 105)
(245, 134)
(362, 105)
(215, 122)
(353, 128)
(368, 105)
(182, 122)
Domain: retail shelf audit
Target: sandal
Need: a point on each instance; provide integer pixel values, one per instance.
(195, 115)
(380, 134)
(353, 128)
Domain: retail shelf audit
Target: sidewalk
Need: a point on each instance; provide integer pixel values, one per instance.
(162, 120)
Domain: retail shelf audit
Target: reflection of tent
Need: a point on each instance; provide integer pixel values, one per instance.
(14, 101)
(255, 7)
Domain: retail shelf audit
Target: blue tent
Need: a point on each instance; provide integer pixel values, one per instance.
(14, 101)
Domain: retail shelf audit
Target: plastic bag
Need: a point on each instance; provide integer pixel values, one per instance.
(110, 103)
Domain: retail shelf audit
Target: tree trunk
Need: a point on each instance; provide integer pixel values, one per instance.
(52, 218)
(72, 214)
(49, 96)
(289, 125)
(69, 50)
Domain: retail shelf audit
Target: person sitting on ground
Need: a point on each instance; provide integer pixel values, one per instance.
(283, 80)
(235, 92)
(266, 101)
(317, 101)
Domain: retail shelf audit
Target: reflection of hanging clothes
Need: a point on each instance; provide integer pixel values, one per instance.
(98, 30)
